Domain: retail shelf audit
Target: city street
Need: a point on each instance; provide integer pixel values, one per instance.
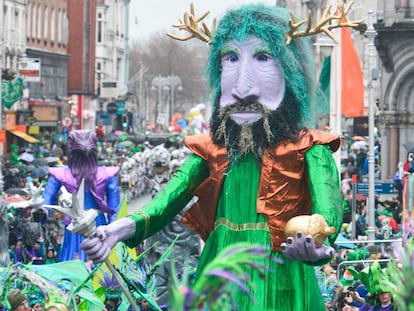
(138, 203)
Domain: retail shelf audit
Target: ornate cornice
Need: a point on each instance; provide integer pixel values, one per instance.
(394, 118)
(386, 36)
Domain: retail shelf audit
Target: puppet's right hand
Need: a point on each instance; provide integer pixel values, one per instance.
(105, 238)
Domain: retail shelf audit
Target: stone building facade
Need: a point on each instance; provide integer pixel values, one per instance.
(393, 87)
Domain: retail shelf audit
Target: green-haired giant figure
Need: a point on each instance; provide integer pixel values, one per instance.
(260, 166)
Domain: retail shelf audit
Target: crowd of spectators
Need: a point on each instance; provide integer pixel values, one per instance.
(340, 291)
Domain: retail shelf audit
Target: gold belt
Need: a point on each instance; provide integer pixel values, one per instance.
(241, 227)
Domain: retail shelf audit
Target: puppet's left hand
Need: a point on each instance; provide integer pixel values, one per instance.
(303, 248)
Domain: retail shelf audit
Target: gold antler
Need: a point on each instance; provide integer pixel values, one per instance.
(190, 24)
(340, 15)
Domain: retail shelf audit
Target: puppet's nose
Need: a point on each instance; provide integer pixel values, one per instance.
(246, 88)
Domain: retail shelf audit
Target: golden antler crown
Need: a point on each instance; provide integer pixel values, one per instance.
(190, 24)
(340, 15)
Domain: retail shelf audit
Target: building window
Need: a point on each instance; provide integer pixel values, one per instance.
(29, 17)
(39, 23)
(46, 23)
(98, 78)
(65, 28)
(118, 68)
(99, 28)
(53, 25)
(60, 26)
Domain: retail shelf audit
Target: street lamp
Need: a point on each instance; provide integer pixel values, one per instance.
(170, 83)
(174, 82)
(371, 34)
(159, 83)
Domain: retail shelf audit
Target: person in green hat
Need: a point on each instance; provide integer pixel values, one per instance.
(379, 286)
(383, 301)
(17, 300)
(14, 157)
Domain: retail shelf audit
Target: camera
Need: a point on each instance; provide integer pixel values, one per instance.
(349, 291)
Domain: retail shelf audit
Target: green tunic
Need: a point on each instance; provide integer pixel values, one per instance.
(291, 285)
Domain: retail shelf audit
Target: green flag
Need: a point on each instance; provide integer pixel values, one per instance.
(324, 83)
(11, 91)
(325, 76)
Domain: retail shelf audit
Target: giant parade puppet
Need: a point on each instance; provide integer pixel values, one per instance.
(101, 187)
(260, 166)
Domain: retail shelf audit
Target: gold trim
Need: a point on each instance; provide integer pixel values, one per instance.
(241, 227)
(146, 220)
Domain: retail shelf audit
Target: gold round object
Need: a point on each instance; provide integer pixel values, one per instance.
(314, 225)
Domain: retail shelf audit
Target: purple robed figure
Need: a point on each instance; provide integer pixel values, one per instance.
(101, 187)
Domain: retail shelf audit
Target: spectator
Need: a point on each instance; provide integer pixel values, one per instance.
(408, 166)
(347, 299)
(35, 254)
(99, 132)
(379, 286)
(19, 250)
(17, 300)
(36, 302)
(398, 180)
(89, 264)
(330, 272)
(351, 167)
(57, 307)
(113, 300)
(383, 301)
(113, 292)
(50, 255)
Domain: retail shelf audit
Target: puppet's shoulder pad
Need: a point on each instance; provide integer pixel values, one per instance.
(200, 144)
(108, 170)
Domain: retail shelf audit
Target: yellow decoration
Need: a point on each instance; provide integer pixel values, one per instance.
(314, 225)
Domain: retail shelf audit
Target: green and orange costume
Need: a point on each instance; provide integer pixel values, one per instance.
(251, 200)
(264, 204)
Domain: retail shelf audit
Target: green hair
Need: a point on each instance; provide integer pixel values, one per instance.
(270, 24)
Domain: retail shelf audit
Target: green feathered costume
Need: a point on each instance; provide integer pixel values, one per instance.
(249, 200)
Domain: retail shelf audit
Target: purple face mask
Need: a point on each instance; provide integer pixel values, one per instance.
(250, 75)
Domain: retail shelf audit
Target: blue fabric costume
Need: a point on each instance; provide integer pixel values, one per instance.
(104, 197)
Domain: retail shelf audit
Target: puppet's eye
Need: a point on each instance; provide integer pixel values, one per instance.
(231, 57)
(262, 57)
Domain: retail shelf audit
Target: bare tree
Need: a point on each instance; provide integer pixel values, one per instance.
(164, 56)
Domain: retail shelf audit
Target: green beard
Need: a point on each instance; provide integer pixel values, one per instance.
(240, 140)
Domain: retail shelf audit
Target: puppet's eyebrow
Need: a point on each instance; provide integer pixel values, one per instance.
(228, 50)
(262, 50)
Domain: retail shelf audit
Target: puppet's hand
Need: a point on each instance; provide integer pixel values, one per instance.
(105, 238)
(303, 248)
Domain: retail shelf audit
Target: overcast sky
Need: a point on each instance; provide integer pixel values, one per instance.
(153, 16)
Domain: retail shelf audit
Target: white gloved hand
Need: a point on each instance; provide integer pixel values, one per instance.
(105, 238)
